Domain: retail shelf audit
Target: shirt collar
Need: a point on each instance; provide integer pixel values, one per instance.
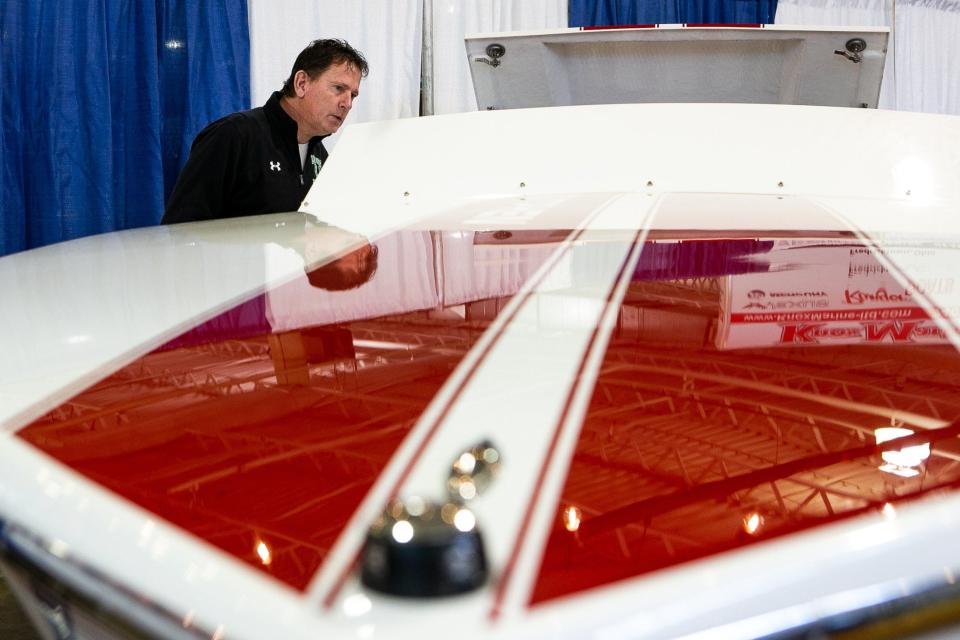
(279, 118)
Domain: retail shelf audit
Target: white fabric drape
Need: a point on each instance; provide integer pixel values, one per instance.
(387, 32)
(453, 19)
(861, 13)
(928, 56)
(922, 72)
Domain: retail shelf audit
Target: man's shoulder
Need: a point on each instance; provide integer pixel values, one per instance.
(257, 114)
(233, 124)
(238, 127)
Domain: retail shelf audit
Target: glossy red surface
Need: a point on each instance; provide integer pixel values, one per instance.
(714, 426)
(260, 430)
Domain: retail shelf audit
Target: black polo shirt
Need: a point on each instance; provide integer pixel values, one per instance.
(245, 164)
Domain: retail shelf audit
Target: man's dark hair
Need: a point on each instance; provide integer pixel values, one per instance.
(321, 55)
(343, 274)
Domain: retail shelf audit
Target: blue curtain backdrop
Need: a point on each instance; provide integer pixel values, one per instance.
(602, 13)
(99, 101)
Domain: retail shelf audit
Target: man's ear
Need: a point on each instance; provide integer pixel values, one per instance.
(300, 79)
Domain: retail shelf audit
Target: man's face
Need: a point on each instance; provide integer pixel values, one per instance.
(326, 98)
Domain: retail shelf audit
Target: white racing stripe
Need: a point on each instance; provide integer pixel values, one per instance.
(519, 576)
(327, 584)
(511, 389)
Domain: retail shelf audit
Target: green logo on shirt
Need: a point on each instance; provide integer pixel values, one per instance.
(316, 165)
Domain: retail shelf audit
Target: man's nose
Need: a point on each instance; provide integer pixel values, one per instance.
(347, 102)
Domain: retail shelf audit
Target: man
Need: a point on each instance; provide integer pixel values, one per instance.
(265, 159)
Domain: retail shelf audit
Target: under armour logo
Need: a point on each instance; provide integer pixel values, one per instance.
(275, 166)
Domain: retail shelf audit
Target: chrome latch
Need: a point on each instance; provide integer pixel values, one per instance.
(417, 548)
(494, 53)
(854, 50)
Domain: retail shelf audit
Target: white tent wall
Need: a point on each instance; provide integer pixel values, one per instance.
(390, 35)
(928, 56)
(922, 74)
(387, 32)
(923, 64)
(453, 19)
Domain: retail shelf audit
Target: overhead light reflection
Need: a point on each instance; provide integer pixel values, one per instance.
(402, 531)
(264, 552)
(381, 344)
(464, 520)
(897, 470)
(466, 488)
(466, 463)
(901, 462)
(187, 619)
(889, 512)
(752, 523)
(356, 605)
(448, 512)
(571, 518)
(416, 506)
(146, 533)
(58, 548)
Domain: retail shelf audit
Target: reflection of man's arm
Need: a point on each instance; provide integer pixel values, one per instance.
(293, 352)
(334, 259)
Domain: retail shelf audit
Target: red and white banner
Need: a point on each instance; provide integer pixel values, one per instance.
(828, 293)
